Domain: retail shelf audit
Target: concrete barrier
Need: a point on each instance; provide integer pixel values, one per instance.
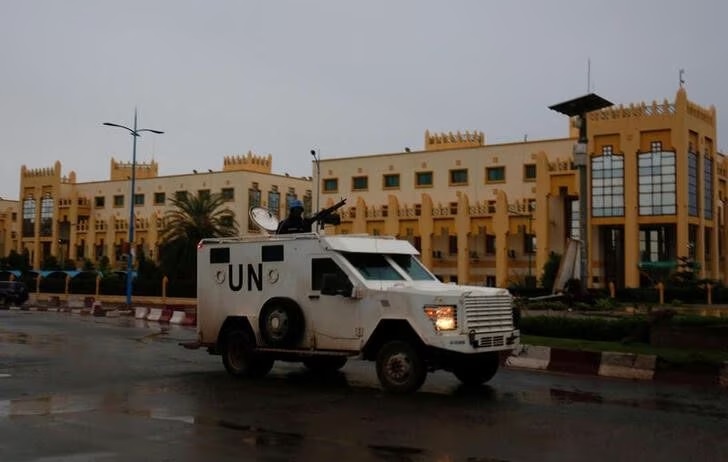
(141, 312)
(627, 365)
(155, 314)
(178, 317)
(75, 302)
(530, 357)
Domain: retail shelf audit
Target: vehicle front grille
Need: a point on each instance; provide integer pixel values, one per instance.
(485, 315)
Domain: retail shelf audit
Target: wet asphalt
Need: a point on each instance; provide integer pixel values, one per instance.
(81, 388)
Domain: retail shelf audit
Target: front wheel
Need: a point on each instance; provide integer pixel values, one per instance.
(240, 359)
(400, 367)
(477, 370)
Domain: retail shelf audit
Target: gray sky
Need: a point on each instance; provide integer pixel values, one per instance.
(345, 77)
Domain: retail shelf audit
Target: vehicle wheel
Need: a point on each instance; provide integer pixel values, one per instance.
(325, 364)
(400, 367)
(478, 370)
(281, 326)
(239, 358)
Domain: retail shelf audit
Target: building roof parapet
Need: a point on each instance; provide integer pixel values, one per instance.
(249, 161)
(450, 140)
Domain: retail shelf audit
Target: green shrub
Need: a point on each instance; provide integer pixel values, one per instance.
(634, 328)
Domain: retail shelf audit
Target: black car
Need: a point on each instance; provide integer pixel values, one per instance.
(13, 292)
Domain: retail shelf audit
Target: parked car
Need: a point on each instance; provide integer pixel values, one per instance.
(13, 293)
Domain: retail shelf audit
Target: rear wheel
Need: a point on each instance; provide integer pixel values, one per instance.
(325, 364)
(239, 357)
(400, 367)
(477, 370)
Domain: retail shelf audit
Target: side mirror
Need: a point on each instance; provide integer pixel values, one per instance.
(334, 284)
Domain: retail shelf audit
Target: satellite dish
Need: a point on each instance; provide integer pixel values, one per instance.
(264, 219)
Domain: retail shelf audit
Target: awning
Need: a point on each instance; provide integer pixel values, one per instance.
(15, 273)
(657, 265)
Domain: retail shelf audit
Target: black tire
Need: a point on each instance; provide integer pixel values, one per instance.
(281, 325)
(477, 370)
(239, 357)
(400, 367)
(325, 364)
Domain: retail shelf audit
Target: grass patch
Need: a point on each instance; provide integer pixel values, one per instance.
(675, 356)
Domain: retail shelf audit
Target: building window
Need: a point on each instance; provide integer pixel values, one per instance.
(254, 198)
(99, 202)
(138, 199)
(490, 244)
(331, 185)
(14, 217)
(491, 206)
(529, 243)
(452, 245)
(459, 177)
(274, 202)
(46, 216)
(423, 179)
(228, 194)
(203, 193)
(118, 200)
(180, 195)
(160, 198)
(656, 243)
(359, 183)
(708, 188)
(495, 174)
(656, 171)
(607, 184)
(573, 220)
(692, 184)
(529, 172)
(418, 210)
(29, 217)
(453, 208)
(390, 181)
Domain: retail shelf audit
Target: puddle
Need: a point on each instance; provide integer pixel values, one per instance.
(21, 338)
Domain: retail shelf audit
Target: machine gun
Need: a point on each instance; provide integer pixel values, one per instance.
(327, 215)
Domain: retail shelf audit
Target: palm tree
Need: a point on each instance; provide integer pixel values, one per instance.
(193, 218)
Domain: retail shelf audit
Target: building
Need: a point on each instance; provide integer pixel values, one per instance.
(75, 221)
(479, 213)
(492, 214)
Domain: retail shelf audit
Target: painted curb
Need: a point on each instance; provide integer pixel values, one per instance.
(530, 357)
(630, 366)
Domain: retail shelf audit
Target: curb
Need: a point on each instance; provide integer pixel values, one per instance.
(617, 365)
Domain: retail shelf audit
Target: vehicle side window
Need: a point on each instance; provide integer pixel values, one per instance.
(321, 266)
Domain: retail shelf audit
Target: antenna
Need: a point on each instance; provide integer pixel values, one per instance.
(588, 75)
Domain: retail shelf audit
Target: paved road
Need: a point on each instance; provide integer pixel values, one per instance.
(94, 389)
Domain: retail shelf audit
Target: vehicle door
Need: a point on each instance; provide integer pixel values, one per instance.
(333, 318)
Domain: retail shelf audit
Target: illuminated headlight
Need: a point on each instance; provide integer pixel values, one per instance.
(443, 317)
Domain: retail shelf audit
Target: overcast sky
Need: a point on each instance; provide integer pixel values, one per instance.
(344, 77)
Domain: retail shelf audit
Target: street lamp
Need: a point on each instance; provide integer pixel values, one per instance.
(135, 132)
(316, 158)
(579, 108)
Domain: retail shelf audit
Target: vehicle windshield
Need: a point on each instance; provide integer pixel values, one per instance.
(373, 266)
(412, 267)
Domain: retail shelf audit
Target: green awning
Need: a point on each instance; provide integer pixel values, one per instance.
(657, 265)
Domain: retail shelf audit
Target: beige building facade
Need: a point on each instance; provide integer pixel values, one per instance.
(479, 213)
(75, 221)
(492, 214)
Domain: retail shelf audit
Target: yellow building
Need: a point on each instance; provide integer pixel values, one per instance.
(491, 214)
(8, 226)
(75, 221)
(480, 213)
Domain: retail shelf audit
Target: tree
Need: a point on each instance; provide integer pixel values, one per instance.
(193, 218)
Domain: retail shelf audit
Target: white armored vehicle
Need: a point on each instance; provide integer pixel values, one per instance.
(320, 299)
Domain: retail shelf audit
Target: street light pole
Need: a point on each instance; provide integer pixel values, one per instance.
(135, 133)
(316, 158)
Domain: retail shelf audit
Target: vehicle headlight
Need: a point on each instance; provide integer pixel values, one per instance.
(443, 317)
